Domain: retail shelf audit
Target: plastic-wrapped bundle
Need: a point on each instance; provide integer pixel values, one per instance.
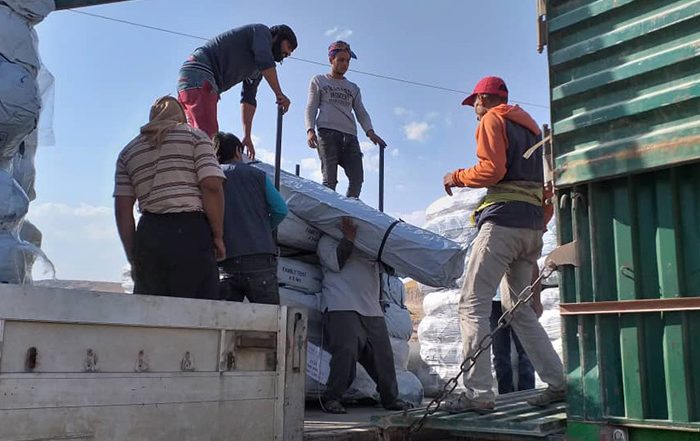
(441, 303)
(422, 255)
(19, 111)
(318, 360)
(299, 275)
(295, 233)
(397, 316)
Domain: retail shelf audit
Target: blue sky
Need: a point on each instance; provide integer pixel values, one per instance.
(108, 73)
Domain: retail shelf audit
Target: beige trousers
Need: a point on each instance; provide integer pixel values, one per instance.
(497, 252)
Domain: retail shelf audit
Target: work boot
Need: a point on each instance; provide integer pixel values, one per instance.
(547, 397)
(462, 403)
(333, 406)
(398, 405)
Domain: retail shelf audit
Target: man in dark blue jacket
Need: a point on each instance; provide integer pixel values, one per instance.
(252, 209)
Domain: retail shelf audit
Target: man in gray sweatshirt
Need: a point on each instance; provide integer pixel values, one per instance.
(332, 100)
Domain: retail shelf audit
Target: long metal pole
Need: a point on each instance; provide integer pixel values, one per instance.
(278, 148)
(71, 4)
(381, 177)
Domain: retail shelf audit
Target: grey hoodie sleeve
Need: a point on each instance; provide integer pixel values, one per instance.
(361, 113)
(312, 104)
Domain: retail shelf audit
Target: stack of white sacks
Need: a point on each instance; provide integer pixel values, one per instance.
(439, 333)
(300, 280)
(22, 82)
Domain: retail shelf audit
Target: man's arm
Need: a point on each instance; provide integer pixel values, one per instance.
(213, 204)
(275, 203)
(247, 114)
(310, 115)
(124, 216)
(346, 244)
(270, 75)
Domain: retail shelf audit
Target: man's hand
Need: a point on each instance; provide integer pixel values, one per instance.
(312, 139)
(283, 102)
(349, 229)
(219, 249)
(449, 182)
(247, 142)
(376, 140)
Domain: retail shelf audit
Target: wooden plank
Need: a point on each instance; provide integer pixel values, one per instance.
(295, 374)
(281, 371)
(36, 391)
(2, 339)
(513, 416)
(631, 306)
(239, 420)
(62, 347)
(28, 303)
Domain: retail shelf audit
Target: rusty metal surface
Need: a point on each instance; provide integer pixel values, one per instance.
(631, 306)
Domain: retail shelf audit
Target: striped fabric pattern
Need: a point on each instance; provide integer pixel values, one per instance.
(166, 179)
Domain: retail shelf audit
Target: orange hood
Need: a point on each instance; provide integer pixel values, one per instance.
(518, 116)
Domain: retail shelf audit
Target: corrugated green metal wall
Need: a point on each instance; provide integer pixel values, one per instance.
(625, 95)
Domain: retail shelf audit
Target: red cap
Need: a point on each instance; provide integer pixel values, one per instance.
(490, 85)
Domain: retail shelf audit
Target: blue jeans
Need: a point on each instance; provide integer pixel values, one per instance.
(501, 357)
(340, 149)
(253, 277)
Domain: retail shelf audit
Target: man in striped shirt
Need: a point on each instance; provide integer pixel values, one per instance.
(171, 170)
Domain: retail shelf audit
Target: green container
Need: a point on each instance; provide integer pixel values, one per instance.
(625, 99)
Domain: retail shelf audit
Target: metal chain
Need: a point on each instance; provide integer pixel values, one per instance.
(484, 344)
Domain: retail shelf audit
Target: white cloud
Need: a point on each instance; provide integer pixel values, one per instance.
(371, 156)
(81, 240)
(416, 218)
(417, 131)
(394, 153)
(311, 169)
(342, 35)
(339, 33)
(265, 155)
(432, 115)
(402, 111)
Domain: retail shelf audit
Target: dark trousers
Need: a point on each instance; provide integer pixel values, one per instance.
(340, 149)
(354, 338)
(253, 276)
(174, 256)
(501, 357)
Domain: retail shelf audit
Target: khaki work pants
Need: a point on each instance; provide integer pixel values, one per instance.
(497, 252)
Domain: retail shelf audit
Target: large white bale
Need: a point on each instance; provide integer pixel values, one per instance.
(19, 111)
(413, 252)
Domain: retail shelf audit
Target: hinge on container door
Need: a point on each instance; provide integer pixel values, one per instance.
(541, 25)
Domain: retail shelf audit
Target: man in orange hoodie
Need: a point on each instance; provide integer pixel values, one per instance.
(510, 220)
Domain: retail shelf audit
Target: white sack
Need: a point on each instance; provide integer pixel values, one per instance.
(299, 275)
